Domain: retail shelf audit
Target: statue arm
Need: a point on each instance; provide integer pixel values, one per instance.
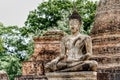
(60, 57)
(62, 54)
(63, 49)
(88, 46)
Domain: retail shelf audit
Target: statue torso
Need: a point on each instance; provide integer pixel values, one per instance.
(74, 46)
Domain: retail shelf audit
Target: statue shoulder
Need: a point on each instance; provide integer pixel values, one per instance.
(88, 38)
(85, 36)
(65, 38)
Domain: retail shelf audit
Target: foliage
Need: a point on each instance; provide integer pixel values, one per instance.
(14, 41)
(14, 48)
(1, 45)
(54, 15)
(11, 64)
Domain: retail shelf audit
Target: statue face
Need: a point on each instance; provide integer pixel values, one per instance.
(74, 25)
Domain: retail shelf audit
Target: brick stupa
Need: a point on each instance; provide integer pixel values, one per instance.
(106, 36)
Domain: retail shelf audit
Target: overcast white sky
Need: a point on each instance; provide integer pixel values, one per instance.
(15, 12)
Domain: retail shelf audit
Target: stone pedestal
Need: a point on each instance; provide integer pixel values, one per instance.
(29, 77)
(86, 75)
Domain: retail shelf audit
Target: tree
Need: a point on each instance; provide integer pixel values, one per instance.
(54, 14)
(11, 64)
(1, 45)
(14, 41)
(15, 47)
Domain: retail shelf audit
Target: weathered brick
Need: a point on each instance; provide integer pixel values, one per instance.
(46, 48)
(106, 39)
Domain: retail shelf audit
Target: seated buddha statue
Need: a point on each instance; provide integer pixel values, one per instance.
(76, 49)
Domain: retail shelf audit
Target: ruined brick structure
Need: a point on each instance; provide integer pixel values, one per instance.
(3, 75)
(46, 48)
(106, 36)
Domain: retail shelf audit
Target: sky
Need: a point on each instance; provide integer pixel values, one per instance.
(15, 12)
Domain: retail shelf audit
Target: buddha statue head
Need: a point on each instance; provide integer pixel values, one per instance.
(75, 22)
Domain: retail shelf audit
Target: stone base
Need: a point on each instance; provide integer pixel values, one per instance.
(30, 77)
(86, 75)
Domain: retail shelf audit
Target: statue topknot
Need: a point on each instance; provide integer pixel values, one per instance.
(75, 15)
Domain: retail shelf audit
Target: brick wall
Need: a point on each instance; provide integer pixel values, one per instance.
(106, 39)
(3, 75)
(46, 48)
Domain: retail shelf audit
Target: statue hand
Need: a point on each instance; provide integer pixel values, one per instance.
(51, 64)
(85, 57)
